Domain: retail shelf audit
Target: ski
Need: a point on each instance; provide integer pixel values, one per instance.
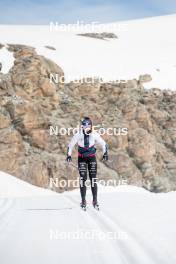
(83, 206)
(48, 209)
(96, 206)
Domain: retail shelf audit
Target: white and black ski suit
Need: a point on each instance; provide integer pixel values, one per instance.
(87, 158)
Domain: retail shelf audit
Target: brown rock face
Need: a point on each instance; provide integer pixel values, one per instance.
(142, 147)
(11, 150)
(47, 88)
(4, 121)
(126, 168)
(27, 100)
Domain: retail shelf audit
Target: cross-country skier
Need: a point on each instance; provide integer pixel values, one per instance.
(86, 139)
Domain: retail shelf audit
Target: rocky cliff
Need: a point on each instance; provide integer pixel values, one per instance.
(30, 104)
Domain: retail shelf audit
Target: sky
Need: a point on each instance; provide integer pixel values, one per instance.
(103, 11)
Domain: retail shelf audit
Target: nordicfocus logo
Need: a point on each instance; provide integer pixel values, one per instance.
(86, 234)
(110, 131)
(55, 78)
(81, 26)
(65, 183)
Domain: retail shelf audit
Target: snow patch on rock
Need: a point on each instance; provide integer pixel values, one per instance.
(6, 60)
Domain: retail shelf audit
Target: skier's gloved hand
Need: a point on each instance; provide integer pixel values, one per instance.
(68, 159)
(105, 156)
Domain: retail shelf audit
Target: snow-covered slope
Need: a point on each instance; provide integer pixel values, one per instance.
(13, 187)
(132, 227)
(143, 46)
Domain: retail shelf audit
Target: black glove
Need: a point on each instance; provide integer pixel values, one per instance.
(68, 159)
(105, 156)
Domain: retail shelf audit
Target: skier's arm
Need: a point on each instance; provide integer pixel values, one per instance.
(72, 143)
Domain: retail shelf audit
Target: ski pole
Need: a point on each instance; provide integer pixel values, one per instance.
(108, 161)
(72, 164)
(66, 189)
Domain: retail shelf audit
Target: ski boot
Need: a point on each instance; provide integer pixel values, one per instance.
(96, 205)
(83, 205)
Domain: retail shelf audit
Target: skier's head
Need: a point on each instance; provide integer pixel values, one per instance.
(87, 125)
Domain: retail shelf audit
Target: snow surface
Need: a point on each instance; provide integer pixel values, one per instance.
(13, 187)
(132, 227)
(144, 46)
(6, 59)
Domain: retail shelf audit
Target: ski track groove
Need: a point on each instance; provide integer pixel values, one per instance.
(97, 259)
(6, 206)
(93, 255)
(118, 257)
(7, 209)
(123, 250)
(131, 244)
(142, 243)
(128, 245)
